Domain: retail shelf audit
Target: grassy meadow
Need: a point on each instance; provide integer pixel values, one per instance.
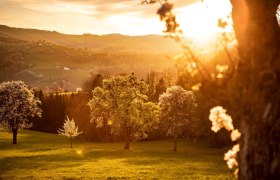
(48, 156)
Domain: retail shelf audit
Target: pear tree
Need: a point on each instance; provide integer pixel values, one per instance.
(17, 105)
(177, 111)
(69, 129)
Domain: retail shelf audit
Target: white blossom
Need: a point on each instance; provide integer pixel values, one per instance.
(235, 135)
(17, 104)
(177, 110)
(69, 128)
(220, 119)
(231, 156)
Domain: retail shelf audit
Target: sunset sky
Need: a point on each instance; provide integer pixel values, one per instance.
(110, 16)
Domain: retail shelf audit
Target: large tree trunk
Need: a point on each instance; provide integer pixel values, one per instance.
(175, 144)
(15, 132)
(127, 142)
(106, 132)
(127, 138)
(258, 35)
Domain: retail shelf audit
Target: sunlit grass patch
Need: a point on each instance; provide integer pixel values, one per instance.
(48, 156)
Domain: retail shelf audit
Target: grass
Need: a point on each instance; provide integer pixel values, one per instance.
(48, 156)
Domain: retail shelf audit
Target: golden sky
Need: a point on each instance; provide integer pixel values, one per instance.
(110, 16)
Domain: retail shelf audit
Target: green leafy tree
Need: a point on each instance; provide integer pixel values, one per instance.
(177, 111)
(17, 104)
(121, 102)
(160, 88)
(100, 109)
(93, 82)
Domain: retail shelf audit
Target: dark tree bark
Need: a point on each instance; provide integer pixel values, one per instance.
(15, 132)
(106, 132)
(126, 137)
(175, 144)
(258, 35)
(127, 143)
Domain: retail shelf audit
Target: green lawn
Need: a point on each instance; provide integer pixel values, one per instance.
(48, 156)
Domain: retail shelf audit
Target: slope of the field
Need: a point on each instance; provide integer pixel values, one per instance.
(48, 156)
(112, 42)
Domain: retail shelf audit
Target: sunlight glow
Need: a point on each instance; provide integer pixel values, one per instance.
(134, 24)
(199, 20)
(79, 152)
(110, 122)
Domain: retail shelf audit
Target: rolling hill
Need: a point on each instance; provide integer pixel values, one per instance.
(51, 60)
(112, 42)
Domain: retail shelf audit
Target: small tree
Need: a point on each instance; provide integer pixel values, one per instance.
(122, 102)
(69, 129)
(17, 104)
(177, 110)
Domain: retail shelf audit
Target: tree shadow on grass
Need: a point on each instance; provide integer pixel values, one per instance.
(69, 159)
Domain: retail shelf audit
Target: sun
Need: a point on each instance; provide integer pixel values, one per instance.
(199, 20)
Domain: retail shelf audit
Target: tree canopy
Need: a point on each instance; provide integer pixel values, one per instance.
(177, 111)
(122, 103)
(17, 104)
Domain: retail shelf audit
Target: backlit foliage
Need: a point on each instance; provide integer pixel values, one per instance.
(100, 107)
(166, 15)
(122, 103)
(17, 104)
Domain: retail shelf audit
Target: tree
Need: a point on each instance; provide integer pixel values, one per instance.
(258, 35)
(177, 111)
(17, 104)
(122, 102)
(69, 129)
(157, 85)
(160, 88)
(93, 82)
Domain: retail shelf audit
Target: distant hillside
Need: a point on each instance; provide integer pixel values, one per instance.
(111, 43)
(42, 59)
